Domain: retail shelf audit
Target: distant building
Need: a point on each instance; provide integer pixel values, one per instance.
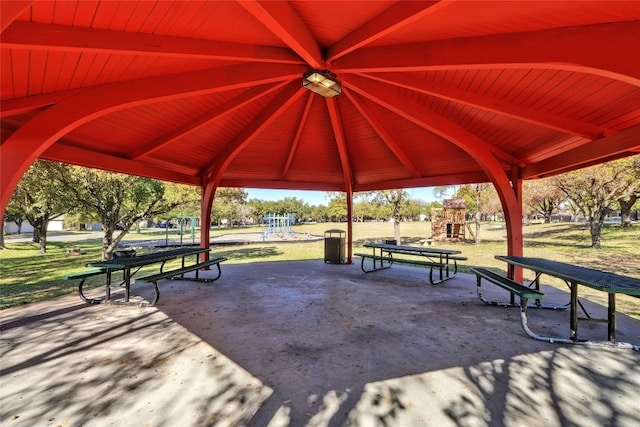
(12, 227)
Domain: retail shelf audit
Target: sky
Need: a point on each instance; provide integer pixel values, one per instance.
(320, 197)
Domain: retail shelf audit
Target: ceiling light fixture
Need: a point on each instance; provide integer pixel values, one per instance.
(322, 82)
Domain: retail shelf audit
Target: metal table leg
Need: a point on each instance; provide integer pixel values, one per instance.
(574, 311)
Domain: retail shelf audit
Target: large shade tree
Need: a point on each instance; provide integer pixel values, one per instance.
(541, 197)
(227, 205)
(631, 197)
(39, 198)
(115, 199)
(395, 200)
(479, 199)
(596, 191)
(11, 214)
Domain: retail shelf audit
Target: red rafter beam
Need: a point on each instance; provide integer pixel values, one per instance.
(385, 135)
(79, 156)
(17, 106)
(536, 117)
(386, 96)
(458, 178)
(10, 10)
(298, 135)
(50, 37)
(26, 144)
(597, 151)
(338, 132)
(392, 19)
(216, 113)
(266, 117)
(281, 184)
(607, 50)
(280, 18)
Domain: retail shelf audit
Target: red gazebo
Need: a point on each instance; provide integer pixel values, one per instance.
(407, 94)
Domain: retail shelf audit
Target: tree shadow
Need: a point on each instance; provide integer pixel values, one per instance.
(251, 253)
(304, 344)
(118, 365)
(561, 387)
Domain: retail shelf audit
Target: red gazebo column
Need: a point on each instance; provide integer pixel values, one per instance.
(349, 195)
(515, 243)
(206, 202)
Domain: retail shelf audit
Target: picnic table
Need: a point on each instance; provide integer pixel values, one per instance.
(574, 276)
(131, 265)
(384, 255)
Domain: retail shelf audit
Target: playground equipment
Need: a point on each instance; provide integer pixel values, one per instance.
(181, 225)
(277, 225)
(448, 222)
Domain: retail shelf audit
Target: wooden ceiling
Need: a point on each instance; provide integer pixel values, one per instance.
(433, 92)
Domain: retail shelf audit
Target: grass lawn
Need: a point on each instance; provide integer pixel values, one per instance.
(26, 276)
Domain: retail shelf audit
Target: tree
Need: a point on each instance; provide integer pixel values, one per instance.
(115, 199)
(337, 208)
(394, 199)
(186, 199)
(11, 214)
(40, 198)
(442, 192)
(15, 215)
(627, 201)
(293, 206)
(481, 199)
(320, 213)
(411, 209)
(364, 209)
(541, 197)
(226, 205)
(596, 190)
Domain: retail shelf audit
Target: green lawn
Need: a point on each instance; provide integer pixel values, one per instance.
(27, 276)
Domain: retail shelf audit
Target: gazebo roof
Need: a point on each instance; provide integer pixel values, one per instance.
(433, 93)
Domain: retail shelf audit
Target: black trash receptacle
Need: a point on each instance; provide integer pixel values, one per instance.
(334, 246)
(124, 254)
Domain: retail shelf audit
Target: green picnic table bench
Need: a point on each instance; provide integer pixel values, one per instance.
(178, 273)
(384, 255)
(130, 265)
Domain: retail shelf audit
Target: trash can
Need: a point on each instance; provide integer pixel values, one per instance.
(334, 246)
(124, 254)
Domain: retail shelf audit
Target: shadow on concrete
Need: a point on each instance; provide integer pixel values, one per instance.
(310, 344)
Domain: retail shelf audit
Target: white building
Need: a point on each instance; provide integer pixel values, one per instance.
(12, 227)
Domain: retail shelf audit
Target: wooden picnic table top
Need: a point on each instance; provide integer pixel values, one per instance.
(136, 261)
(417, 249)
(597, 279)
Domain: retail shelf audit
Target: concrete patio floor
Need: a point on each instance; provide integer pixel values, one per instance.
(311, 344)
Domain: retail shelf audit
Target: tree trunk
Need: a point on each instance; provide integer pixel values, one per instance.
(2, 246)
(396, 231)
(396, 220)
(43, 243)
(107, 250)
(42, 236)
(625, 210)
(546, 206)
(478, 215)
(595, 227)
